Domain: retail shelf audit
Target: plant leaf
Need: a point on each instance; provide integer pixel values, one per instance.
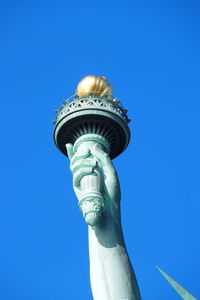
(178, 288)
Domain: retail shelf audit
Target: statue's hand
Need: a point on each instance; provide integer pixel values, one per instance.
(80, 164)
(85, 162)
(111, 187)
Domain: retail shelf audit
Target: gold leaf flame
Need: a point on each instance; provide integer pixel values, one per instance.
(97, 85)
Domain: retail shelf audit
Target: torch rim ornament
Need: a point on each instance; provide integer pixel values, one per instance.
(92, 115)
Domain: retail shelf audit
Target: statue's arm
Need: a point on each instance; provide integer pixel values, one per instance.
(111, 273)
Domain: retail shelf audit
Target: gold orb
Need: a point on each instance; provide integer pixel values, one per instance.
(97, 85)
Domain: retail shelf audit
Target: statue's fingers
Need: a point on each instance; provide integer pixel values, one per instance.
(83, 163)
(80, 174)
(79, 155)
(101, 156)
(70, 151)
(108, 171)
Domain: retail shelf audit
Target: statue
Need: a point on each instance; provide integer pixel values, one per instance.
(90, 139)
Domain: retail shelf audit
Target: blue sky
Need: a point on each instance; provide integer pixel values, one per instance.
(150, 52)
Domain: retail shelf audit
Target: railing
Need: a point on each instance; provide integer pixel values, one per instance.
(105, 102)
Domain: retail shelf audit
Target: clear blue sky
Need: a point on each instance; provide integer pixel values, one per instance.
(150, 52)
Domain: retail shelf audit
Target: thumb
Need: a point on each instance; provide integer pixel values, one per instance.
(70, 151)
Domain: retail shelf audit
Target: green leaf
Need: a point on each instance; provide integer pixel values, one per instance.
(178, 288)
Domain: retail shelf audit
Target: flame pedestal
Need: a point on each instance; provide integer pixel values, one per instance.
(99, 115)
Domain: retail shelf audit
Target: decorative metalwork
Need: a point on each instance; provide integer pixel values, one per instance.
(106, 102)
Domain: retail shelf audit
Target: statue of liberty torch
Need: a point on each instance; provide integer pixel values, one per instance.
(91, 129)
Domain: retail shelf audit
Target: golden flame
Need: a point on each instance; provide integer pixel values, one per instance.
(97, 85)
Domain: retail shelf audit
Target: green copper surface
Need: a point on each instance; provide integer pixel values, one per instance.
(88, 176)
(92, 137)
(97, 188)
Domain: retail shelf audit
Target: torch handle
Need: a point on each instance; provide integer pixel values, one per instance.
(91, 184)
(91, 200)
